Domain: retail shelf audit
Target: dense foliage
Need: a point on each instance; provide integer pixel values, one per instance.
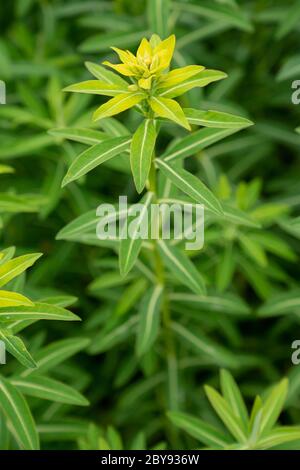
(109, 381)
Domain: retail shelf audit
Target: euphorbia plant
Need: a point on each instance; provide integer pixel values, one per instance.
(255, 431)
(151, 90)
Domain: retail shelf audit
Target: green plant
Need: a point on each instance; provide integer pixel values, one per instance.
(247, 319)
(152, 92)
(254, 431)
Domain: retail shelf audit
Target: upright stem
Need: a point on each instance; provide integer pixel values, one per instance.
(166, 316)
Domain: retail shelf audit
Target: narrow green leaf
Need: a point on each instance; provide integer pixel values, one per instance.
(158, 16)
(277, 436)
(191, 185)
(234, 398)
(202, 345)
(280, 304)
(131, 244)
(200, 80)
(232, 422)
(273, 405)
(56, 353)
(199, 429)
(94, 156)
(225, 12)
(17, 348)
(19, 416)
(38, 311)
(49, 389)
(141, 152)
(193, 143)
(118, 104)
(169, 109)
(84, 136)
(16, 266)
(182, 267)
(105, 75)
(225, 303)
(215, 119)
(149, 317)
(13, 299)
(97, 88)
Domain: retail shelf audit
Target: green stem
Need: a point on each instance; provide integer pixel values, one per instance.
(166, 319)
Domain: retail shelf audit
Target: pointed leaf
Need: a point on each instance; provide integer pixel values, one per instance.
(118, 104)
(39, 311)
(17, 348)
(13, 299)
(199, 429)
(191, 185)
(131, 244)
(49, 389)
(141, 152)
(200, 80)
(193, 143)
(94, 156)
(169, 109)
(97, 88)
(273, 405)
(232, 422)
(16, 266)
(19, 416)
(149, 316)
(181, 267)
(216, 119)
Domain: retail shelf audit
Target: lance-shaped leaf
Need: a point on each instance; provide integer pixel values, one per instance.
(17, 348)
(204, 346)
(225, 12)
(49, 389)
(97, 88)
(215, 119)
(13, 299)
(84, 136)
(131, 243)
(19, 416)
(225, 303)
(56, 353)
(105, 75)
(149, 317)
(169, 109)
(141, 152)
(158, 16)
(86, 222)
(179, 75)
(234, 398)
(16, 266)
(200, 80)
(199, 429)
(232, 422)
(118, 104)
(39, 311)
(273, 405)
(94, 156)
(280, 304)
(279, 435)
(181, 267)
(191, 185)
(193, 143)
